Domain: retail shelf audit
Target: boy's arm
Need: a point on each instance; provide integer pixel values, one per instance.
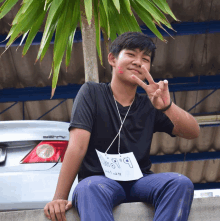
(76, 150)
(77, 147)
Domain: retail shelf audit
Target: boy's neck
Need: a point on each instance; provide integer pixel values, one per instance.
(123, 93)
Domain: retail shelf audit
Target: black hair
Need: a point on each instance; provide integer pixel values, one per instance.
(133, 40)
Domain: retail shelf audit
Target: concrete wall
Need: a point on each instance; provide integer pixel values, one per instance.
(203, 209)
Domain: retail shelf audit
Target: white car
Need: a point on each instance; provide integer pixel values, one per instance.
(31, 155)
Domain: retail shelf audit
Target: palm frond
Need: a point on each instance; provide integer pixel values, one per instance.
(117, 4)
(24, 25)
(162, 4)
(22, 12)
(128, 19)
(74, 21)
(112, 17)
(105, 16)
(128, 6)
(97, 27)
(6, 7)
(88, 9)
(63, 32)
(146, 18)
(51, 23)
(33, 31)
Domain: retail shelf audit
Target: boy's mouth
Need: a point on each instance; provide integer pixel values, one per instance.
(135, 71)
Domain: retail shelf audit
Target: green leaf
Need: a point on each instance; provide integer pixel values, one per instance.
(124, 25)
(34, 30)
(70, 47)
(127, 5)
(6, 7)
(63, 30)
(154, 11)
(10, 32)
(26, 23)
(167, 8)
(130, 22)
(24, 1)
(117, 4)
(51, 71)
(120, 23)
(165, 21)
(22, 12)
(104, 21)
(50, 33)
(105, 4)
(75, 20)
(48, 1)
(88, 10)
(24, 36)
(51, 23)
(160, 5)
(47, 42)
(114, 18)
(147, 19)
(157, 15)
(97, 27)
(62, 34)
(2, 1)
(47, 4)
(163, 6)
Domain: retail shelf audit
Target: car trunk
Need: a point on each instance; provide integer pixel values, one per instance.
(25, 144)
(12, 153)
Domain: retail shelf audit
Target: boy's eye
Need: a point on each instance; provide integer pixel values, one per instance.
(143, 58)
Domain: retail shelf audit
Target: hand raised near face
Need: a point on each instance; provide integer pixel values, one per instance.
(158, 93)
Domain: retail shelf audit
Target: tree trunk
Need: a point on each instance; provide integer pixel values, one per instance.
(89, 47)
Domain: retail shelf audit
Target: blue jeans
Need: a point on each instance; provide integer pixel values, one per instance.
(171, 194)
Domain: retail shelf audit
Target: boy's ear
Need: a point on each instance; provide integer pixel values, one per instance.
(111, 59)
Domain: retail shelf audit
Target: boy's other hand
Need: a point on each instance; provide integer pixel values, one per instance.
(55, 210)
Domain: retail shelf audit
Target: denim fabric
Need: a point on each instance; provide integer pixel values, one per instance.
(171, 194)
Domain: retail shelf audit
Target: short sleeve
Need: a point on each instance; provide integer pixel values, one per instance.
(162, 123)
(83, 110)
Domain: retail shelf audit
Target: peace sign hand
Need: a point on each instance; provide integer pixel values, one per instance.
(158, 93)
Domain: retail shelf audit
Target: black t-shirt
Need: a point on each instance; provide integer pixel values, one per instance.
(94, 110)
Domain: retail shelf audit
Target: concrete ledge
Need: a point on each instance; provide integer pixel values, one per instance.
(203, 209)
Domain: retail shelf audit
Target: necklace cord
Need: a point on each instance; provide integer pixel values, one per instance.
(120, 127)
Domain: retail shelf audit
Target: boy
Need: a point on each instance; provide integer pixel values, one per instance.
(102, 112)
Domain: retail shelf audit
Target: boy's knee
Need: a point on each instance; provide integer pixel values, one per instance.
(183, 182)
(88, 183)
(91, 185)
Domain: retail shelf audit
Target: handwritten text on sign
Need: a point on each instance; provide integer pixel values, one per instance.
(122, 167)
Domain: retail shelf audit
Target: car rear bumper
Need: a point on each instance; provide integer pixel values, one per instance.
(30, 189)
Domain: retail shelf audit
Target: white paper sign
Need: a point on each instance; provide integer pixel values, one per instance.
(121, 168)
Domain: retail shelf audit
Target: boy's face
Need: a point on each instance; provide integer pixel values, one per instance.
(127, 60)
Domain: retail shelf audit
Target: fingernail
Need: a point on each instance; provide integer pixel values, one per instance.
(165, 81)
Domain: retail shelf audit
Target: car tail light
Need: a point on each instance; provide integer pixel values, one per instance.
(46, 152)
